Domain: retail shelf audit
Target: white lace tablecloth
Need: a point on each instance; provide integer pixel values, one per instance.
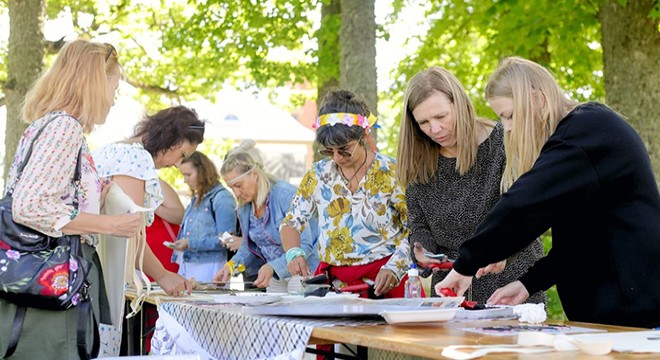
(217, 331)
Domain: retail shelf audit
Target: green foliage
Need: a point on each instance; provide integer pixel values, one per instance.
(469, 37)
(224, 40)
(555, 310)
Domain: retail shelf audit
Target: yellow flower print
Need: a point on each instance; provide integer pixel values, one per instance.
(380, 209)
(339, 190)
(341, 243)
(307, 185)
(400, 264)
(383, 232)
(379, 182)
(337, 208)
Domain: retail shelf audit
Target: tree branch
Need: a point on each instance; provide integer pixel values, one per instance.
(53, 47)
(151, 88)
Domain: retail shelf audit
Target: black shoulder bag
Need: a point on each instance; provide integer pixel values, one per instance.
(42, 271)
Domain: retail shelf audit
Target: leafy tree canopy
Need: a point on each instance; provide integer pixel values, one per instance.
(470, 37)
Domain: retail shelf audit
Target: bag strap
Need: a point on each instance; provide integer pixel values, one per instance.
(83, 317)
(16, 328)
(169, 229)
(21, 166)
(84, 310)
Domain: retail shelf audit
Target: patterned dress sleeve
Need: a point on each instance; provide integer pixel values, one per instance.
(419, 228)
(303, 206)
(134, 161)
(42, 197)
(400, 260)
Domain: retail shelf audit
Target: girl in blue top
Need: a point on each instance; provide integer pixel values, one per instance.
(209, 214)
(263, 202)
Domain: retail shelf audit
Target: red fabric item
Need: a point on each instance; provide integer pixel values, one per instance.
(156, 234)
(352, 275)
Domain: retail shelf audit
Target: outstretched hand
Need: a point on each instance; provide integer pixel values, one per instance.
(495, 268)
(455, 281)
(511, 294)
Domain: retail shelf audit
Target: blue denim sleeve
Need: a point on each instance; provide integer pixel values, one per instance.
(280, 199)
(224, 208)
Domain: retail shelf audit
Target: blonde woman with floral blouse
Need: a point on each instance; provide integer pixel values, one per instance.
(360, 206)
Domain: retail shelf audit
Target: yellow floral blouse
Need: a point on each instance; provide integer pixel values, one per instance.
(359, 228)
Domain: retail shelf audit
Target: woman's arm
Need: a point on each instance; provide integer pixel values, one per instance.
(124, 225)
(170, 282)
(171, 210)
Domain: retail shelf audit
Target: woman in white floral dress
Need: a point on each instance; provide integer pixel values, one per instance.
(161, 140)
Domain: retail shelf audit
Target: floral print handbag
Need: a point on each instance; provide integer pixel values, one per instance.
(40, 271)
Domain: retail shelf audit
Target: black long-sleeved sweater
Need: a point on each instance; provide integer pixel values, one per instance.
(593, 184)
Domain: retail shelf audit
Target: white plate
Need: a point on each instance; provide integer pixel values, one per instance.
(427, 302)
(247, 298)
(415, 316)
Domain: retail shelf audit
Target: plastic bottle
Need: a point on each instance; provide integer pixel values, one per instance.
(413, 287)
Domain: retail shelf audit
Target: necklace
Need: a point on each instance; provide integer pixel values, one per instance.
(348, 181)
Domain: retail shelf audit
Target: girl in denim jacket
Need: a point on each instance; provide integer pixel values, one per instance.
(209, 214)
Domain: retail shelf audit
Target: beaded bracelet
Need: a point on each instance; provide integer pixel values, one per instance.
(294, 253)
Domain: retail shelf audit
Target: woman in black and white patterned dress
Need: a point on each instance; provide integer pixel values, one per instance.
(451, 164)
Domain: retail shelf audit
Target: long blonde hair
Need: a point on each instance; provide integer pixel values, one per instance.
(539, 104)
(417, 154)
(244, 158)
(76, 83)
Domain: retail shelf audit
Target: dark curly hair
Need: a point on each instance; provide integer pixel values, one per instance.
(340, 101)
(169, 127)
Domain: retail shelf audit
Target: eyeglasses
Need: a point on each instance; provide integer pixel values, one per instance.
(111, 51)
(343, 152)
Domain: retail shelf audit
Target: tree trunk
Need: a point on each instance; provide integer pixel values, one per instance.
(26, 49)
(631, 59)
(357, 60)
(328, 58)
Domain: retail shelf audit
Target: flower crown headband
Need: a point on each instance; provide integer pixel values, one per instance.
(346, 119)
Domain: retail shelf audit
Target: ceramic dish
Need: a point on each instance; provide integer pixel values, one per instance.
(415, 316)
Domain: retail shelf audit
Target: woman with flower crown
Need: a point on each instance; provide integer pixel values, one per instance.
(360, 206)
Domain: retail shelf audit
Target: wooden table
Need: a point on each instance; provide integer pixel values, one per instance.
(427, 340)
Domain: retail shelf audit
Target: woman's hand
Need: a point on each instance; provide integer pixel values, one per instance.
(174, 284)
(495, 268)
(264, 276)
(455, 281)
(420, 256)
(299, 266)
(180, 245)
(125, 225)
(234, 243)
(511, 294)
(386, 280)
(223, 275)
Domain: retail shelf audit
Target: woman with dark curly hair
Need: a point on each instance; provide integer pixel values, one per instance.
(160, 140)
